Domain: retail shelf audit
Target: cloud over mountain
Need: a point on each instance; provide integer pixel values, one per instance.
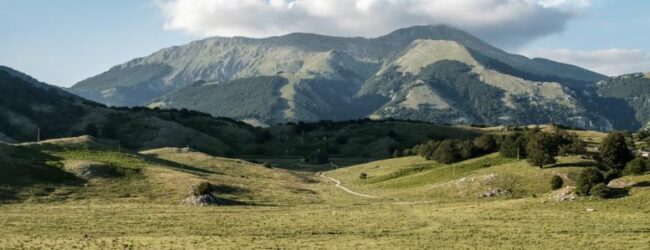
(507, 23)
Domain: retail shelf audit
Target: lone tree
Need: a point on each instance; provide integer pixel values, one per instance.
(541, 149)
(91, 130)
(614, 151)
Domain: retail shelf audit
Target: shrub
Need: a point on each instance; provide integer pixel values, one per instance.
(587, 179)
(635, 167)
(614, 151)
(601, 190)
(398, 153)
(203, 188)
(267, 165)
(363, 176)
(342, 140)
(611, 175)
(556, 182)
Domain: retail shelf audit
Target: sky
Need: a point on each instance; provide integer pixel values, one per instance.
(64, 41)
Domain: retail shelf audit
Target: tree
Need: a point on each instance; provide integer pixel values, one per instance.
(391, 133)
(426, 150)
(587, 179)
(541, 149)
(486, 143)
(91, 130)
(446, 152)
(466, 149)
(635, 167)
(556, 182)
(513, 146)
(571, 144)
(614, 151)
(341, 139)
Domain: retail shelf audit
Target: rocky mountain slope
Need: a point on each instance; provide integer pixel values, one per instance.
(634, 89)
(431, 73)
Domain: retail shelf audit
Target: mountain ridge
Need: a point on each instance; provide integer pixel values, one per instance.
(336, 78)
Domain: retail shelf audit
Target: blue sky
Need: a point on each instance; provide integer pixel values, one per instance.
(64, 41)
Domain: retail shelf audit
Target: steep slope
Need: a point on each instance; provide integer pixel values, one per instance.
(28, 106)
(634, 89)
(445, 81)
(336, 78)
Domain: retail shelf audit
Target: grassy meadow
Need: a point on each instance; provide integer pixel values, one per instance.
(421, 204)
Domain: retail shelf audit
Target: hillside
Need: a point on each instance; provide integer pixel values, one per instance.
(634, 89)
(429, 73)
(34, 106)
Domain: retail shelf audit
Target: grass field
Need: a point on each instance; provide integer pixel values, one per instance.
(422, 205)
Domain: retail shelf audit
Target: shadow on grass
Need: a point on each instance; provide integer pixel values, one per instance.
(178, 166)
(574, 164)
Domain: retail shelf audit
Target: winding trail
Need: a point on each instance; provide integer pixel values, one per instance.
(338, 185)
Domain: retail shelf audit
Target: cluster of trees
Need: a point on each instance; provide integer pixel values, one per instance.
(615, 160)
(450, 151)
(538, 147)
(541, 148)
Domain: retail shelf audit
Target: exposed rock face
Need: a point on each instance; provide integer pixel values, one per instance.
(431, 73)
(201, 200)
(565, 194)
(620, 183)
(495, 192)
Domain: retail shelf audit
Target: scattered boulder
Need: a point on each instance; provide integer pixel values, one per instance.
(88, 170)
(590, 210)
(201, 200)
(494, 192)
(565, 194)
(619, 183)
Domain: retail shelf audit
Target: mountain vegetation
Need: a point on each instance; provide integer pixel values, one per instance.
(428, 73)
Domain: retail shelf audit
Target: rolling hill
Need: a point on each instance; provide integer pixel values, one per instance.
(430, 73)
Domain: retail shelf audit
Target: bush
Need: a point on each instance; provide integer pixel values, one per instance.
(203, 188)
(601, 190)
(363, 176)
(398, 153)
(614, 151)
(342, 140)
(267, 165)
(637, 166)
(611, 175)
(556, 182)
(587, 179)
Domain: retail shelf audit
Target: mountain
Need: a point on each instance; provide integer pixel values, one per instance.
(431, 73)
(634, 89)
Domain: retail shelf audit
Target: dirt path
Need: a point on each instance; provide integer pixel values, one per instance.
(337, 183)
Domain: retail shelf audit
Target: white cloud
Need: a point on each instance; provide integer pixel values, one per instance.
(607, 61)
(504, 22)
